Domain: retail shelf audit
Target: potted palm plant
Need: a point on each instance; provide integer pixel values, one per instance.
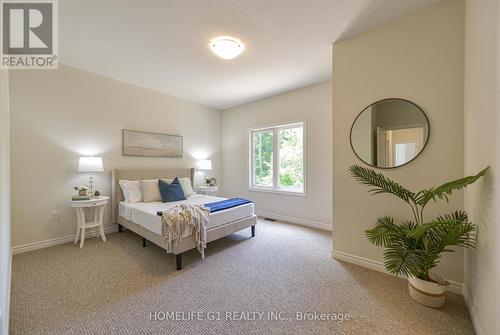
(413, 247)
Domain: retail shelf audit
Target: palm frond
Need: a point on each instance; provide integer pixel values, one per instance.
(445, 190)
(408, 225)
(380, 183)
(383, 232)
(459, 215)
(424, 230)
(456, 230)
(402, 259)
(446, 230)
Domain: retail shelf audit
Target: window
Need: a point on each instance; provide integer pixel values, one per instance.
(277, 158)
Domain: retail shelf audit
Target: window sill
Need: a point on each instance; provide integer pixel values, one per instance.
(277, 191)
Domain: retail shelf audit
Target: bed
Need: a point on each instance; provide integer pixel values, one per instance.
(142, 218)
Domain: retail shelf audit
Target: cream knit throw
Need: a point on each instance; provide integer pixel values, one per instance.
(177, 219)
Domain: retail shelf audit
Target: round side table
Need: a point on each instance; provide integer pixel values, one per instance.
(208, 190)
(99, 204)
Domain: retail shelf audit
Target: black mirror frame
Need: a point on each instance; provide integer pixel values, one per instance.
(393, 167)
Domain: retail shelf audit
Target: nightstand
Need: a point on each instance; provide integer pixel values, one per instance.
(98, 203)
(208, 190)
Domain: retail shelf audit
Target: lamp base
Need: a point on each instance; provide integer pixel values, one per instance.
(91, 184)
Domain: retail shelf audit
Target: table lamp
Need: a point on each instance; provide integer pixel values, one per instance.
(204, 165)
(90, 165)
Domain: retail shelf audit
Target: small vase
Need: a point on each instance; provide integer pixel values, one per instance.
(428, 293)
(82, 193)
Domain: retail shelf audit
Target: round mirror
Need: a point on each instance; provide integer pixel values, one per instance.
(390, 133)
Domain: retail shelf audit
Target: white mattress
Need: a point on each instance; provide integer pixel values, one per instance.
(144, 213)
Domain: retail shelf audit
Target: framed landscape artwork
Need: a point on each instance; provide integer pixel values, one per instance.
(141, 143)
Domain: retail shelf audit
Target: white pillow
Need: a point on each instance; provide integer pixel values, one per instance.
(186, 186)
(150, 190)
(131, 190)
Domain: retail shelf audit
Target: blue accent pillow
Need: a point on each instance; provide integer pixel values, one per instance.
(171, 192)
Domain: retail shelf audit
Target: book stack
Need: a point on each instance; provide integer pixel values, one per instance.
(80, 197)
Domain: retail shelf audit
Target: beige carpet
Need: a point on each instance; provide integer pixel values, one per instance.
(113, 287)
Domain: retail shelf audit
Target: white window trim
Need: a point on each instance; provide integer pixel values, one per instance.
(276, 190)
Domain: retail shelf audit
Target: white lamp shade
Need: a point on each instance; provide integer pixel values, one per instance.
(90, 164)
(205, 164)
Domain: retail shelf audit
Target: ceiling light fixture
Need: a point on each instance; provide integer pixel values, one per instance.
(226, 47)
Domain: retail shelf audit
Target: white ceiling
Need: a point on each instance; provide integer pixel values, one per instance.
(163, 44)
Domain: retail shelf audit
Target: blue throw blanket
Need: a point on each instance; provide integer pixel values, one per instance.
(226, 204)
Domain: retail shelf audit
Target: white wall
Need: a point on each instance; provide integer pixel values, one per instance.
(482, 107)
(57, 116)
(418, 57)
(5, 251)
(313, 104)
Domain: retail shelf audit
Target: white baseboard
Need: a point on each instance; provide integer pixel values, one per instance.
(454, 286)
(290, 219)
(472, 312)
(59, 240)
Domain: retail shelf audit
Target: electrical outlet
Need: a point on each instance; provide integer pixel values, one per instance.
(54, 216)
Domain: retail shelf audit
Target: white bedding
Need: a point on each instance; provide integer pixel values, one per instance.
(144, 214)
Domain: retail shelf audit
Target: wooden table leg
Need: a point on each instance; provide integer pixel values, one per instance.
(83, 223)
(78, 227)
(101, 223)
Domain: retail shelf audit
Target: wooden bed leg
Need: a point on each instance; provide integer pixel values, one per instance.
(253, 231)
(178, 261)
(120, 228)
(143, 242)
